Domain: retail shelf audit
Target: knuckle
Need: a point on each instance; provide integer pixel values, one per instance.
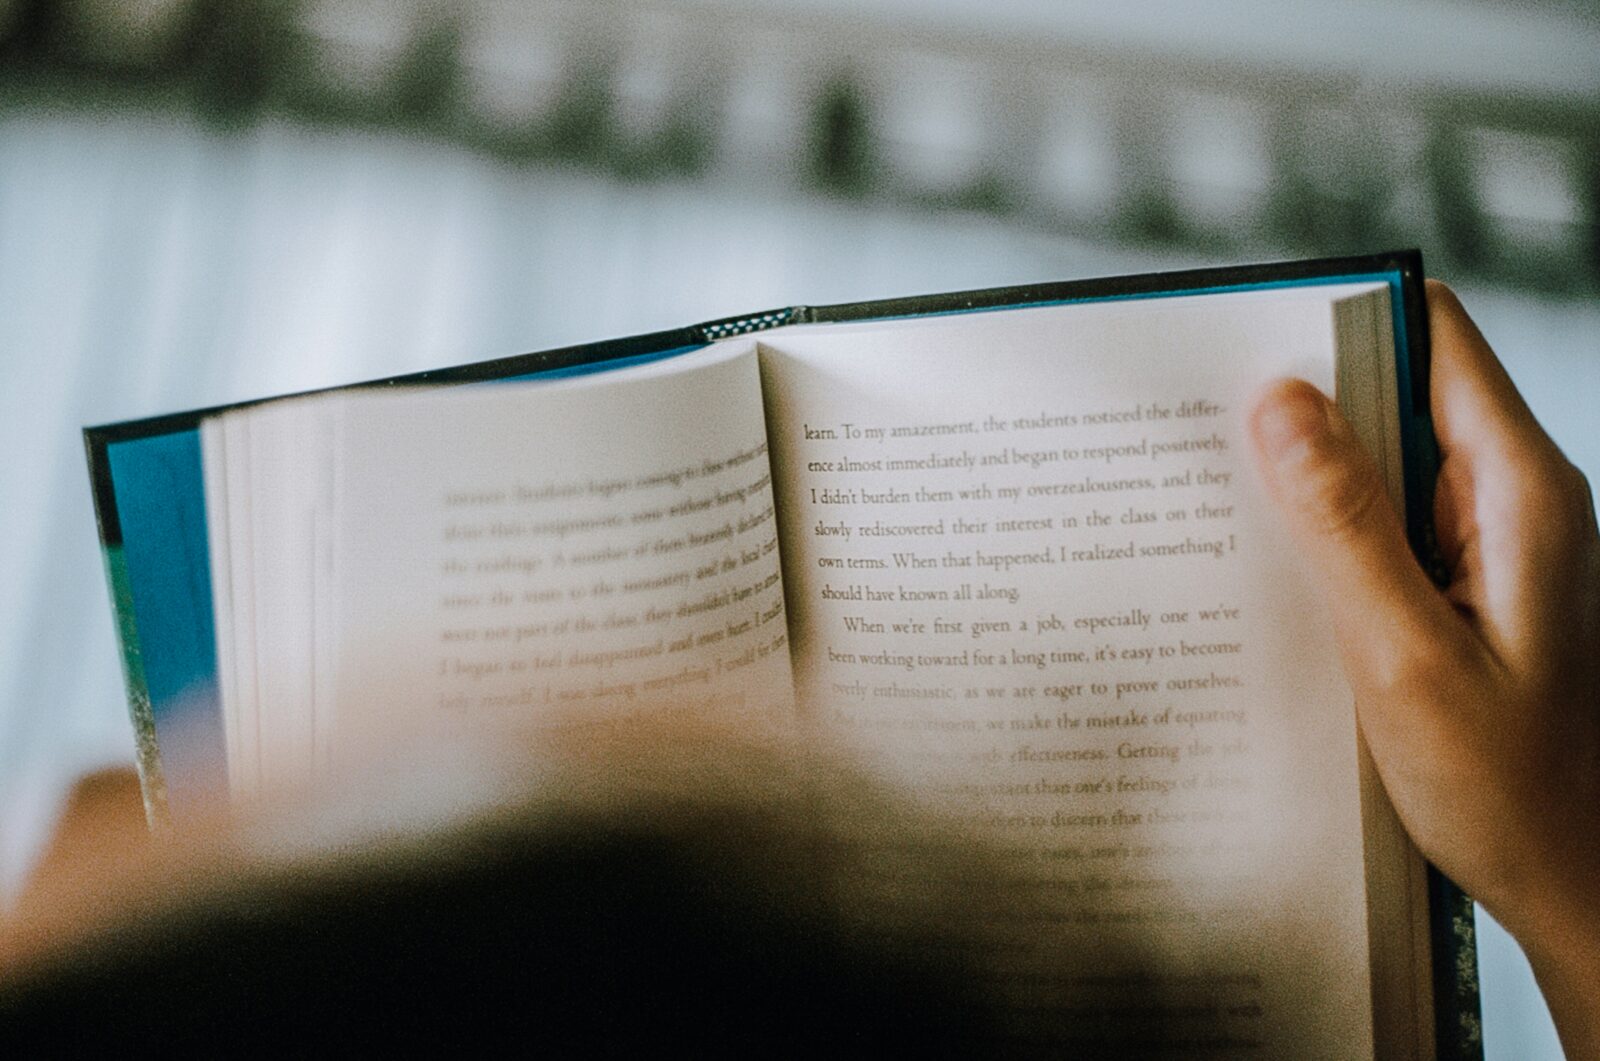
(1425, 676)
(1415, 672)
(1437, 289)
(1558, 490)
(1582, 492)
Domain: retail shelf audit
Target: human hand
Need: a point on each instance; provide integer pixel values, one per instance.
(99, 835)
(1480, 700)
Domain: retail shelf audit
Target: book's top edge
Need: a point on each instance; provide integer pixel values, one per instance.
(1406, 262)
(495, 368)
(98, 438)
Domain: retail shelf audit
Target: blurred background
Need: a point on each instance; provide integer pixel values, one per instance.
(203, 201)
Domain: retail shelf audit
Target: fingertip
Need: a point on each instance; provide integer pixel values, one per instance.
(103, 807)
(1290, 388)
(110, 786)
(1441, 294)
(1475, 404)
(1448, 319)
(100, 833)
(1287, 414)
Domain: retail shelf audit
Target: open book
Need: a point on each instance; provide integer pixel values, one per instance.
(1007, 543)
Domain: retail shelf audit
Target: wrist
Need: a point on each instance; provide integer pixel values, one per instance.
(1568, 974)
(1555, 919)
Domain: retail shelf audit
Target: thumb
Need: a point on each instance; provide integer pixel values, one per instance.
(1333, 501)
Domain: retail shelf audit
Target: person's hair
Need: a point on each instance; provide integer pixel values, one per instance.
(711, 896)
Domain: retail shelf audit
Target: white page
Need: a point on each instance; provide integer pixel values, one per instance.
(1192, 822)
(216, 468)
(282, 477)
(244, 764)
(598, 547)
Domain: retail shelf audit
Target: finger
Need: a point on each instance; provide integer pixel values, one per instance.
(101, 829)
(1477, 410)
(1481, 420)
(1476, 407)
(1511, 509)
(1332, 498)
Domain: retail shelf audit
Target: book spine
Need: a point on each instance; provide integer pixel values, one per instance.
(1458, 1015)
(1458, 1019)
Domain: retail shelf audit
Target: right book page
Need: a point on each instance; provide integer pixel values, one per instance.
(1029, 573)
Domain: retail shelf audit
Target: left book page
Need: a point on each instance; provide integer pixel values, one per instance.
(586, 549)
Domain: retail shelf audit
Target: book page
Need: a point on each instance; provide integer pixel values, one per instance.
(268, 499)
(1030, 575)
(589, 549)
